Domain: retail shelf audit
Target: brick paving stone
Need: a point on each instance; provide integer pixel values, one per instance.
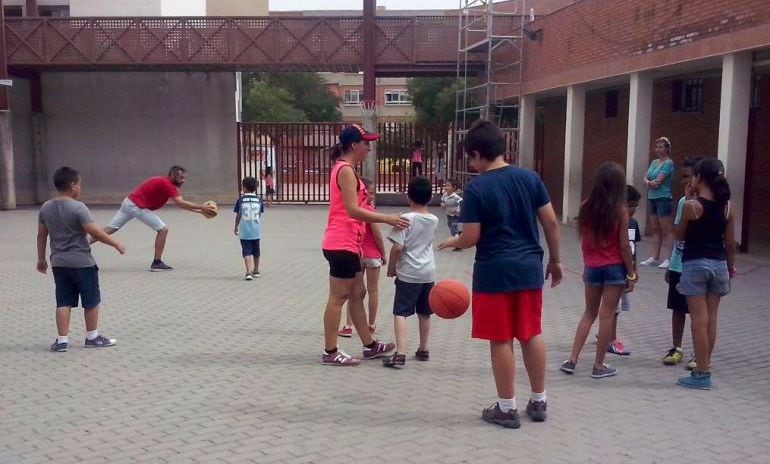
(210, 368)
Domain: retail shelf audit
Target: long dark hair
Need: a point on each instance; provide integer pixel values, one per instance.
(711, 172)
(600, 213)
(339, 149)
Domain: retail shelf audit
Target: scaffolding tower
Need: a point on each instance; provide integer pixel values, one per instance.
(491, 32)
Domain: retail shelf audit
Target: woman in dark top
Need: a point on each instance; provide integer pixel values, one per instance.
(707, 228)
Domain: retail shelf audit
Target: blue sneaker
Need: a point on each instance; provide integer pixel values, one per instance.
(59, 347)
(697, 380)
(100, 342)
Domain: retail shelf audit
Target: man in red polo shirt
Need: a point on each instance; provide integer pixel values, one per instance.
(149, 196)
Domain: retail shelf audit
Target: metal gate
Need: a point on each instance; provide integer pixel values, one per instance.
(296, 153)
(298, 156)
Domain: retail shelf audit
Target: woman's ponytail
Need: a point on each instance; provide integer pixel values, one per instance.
(711, 172)
(721, 189)
(335, 152)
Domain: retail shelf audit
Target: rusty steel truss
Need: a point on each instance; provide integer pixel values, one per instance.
(422, 45)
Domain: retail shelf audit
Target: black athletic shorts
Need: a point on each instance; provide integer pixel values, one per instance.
(73, 283)
(343, 264)
(250, 248)
(676, 301)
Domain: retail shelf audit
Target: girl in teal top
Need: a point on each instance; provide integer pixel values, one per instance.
(659, 203)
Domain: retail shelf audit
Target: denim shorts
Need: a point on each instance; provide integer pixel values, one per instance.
(77, 283)
(702, 276)
(660, 207)
(614, 274)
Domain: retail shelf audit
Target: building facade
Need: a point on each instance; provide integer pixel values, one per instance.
(603, 79)
(393, 101)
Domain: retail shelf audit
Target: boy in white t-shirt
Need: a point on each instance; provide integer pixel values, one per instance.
(413, 264)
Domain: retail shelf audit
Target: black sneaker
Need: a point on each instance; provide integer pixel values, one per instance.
(395, 360)
(422, 355)
(536, 410)
(158, 266)
(60, 347)
(509, 420)
(100, 342)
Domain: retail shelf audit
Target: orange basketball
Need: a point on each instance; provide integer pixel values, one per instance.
(449, 299)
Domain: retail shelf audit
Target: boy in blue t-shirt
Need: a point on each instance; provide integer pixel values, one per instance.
(501, 209)
(248, 225)
(677, 302)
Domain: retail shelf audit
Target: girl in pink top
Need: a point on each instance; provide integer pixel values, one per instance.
(342, 246)
(373, 258)
(609, 267)
(417, 159)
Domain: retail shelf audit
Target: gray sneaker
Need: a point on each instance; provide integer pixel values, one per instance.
(158, 266)
(605, 371)
(379, 350)
(536, 410)
(493, 415)
(59, 347)
(568, 366)
(100, 342)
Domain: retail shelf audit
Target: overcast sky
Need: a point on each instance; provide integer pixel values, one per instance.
(286, 5)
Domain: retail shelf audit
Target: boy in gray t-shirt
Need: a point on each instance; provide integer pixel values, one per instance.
(413, 264)
(67, 222)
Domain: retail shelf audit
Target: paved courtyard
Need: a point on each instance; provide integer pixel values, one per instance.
(210, 368)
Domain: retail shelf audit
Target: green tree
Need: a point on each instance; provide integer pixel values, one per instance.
(289, 97)
(310, 94)
(434, 99)
(265, 103)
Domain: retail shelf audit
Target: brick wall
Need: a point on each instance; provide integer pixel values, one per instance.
(604, 138)
(759, 172)
(598, 38)
(549, 147)
(691, 134)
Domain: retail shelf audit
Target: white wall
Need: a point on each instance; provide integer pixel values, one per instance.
(183, 8)
(115, 7)
(119, 128)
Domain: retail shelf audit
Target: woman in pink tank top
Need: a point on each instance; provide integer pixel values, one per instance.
(341, 246)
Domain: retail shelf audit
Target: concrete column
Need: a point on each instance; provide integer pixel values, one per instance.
(527, 131)
(573, 152)
(638, 146)
(7, 179)
(734, 127)
(369, 121)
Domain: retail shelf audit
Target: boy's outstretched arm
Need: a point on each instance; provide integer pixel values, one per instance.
(547, 218)
(101, 236)
(42, 242)
(469, 237)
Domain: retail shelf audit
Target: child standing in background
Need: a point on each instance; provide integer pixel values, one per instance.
(269, 185)
(373, 258)
(450, 201)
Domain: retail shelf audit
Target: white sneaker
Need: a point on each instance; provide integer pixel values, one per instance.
(649, 262)
(663, 265)
(249, 276)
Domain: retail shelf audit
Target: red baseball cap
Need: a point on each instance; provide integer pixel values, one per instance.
(356, 133)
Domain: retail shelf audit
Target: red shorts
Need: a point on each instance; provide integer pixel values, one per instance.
(501, 317)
